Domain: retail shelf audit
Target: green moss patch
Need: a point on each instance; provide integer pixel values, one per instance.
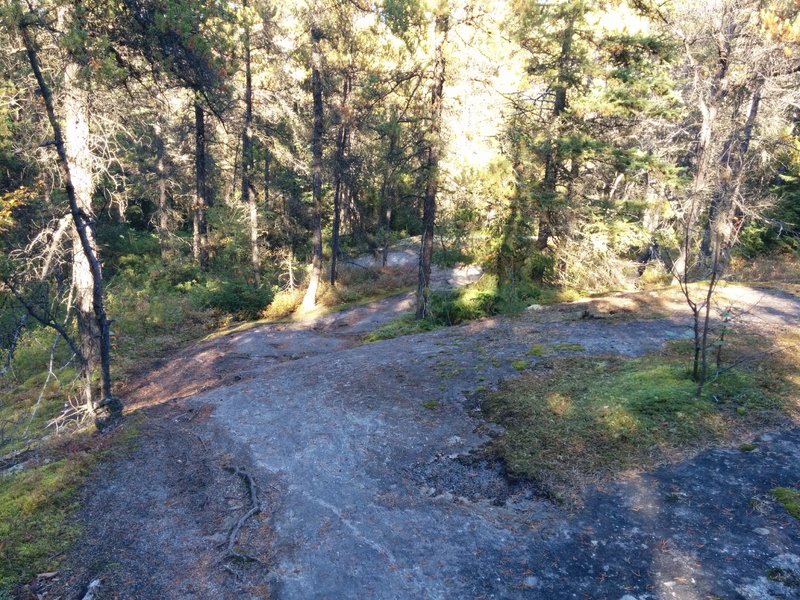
(548, 349)
(789, 498)
(405, 325)
(567, 347)
(35, 528)
(588, 418)
(38, 503)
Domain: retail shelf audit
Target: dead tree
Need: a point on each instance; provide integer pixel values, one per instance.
(86, 252)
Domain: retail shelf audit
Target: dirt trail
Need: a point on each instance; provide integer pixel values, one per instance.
(363, 453)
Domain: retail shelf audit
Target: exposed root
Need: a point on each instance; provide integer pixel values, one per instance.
(255, 508)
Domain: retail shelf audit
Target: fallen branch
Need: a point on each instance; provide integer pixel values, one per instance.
(50, 375)
(46, 320)
(353, 263)
(255, 508)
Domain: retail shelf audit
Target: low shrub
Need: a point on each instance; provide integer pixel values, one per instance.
(232, 296)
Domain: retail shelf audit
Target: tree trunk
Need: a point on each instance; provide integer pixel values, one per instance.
(342, 139)
(337, 222)
(441, 29)
(514, 248)
(248, 189)
(161, 184)
(389, 186)
(267, 177)
(200, 205)
(548, 215)
(76, 111)
(721, 230)
(79, 163)
(79, 160)
(709, 104)
(310, 298)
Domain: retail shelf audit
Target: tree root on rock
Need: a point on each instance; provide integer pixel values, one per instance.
(255, 508)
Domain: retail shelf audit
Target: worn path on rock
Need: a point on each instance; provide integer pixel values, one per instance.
(365, 452)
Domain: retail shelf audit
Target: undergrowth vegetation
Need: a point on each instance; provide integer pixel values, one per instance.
(484, 298)
(582, 419)
(354, 285)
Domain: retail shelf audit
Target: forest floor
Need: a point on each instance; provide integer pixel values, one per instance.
(368, 471)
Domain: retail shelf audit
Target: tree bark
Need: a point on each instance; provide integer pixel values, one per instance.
(441, 28)
(709, 103)
(79, 161)
(200, 205)
(267, 177)
(310, 297)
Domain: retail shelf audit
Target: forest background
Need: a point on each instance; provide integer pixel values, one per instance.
(168, 167)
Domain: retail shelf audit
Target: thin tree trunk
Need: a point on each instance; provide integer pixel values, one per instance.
(248, 189)
(548, 215)
(441, 29)
(720, 230)
(267, 177)
(339, 168)
(310, 298)
(163, 206)
(199, 219)
(337, 223)
(82, 222)
(79, 161)
(516, 227)
(389, 186)
(12, 345)
(709, 107)
(290, 263)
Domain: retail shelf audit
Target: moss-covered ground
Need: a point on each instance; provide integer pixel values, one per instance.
(38, 501)
(789, 498)
(580, 419)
